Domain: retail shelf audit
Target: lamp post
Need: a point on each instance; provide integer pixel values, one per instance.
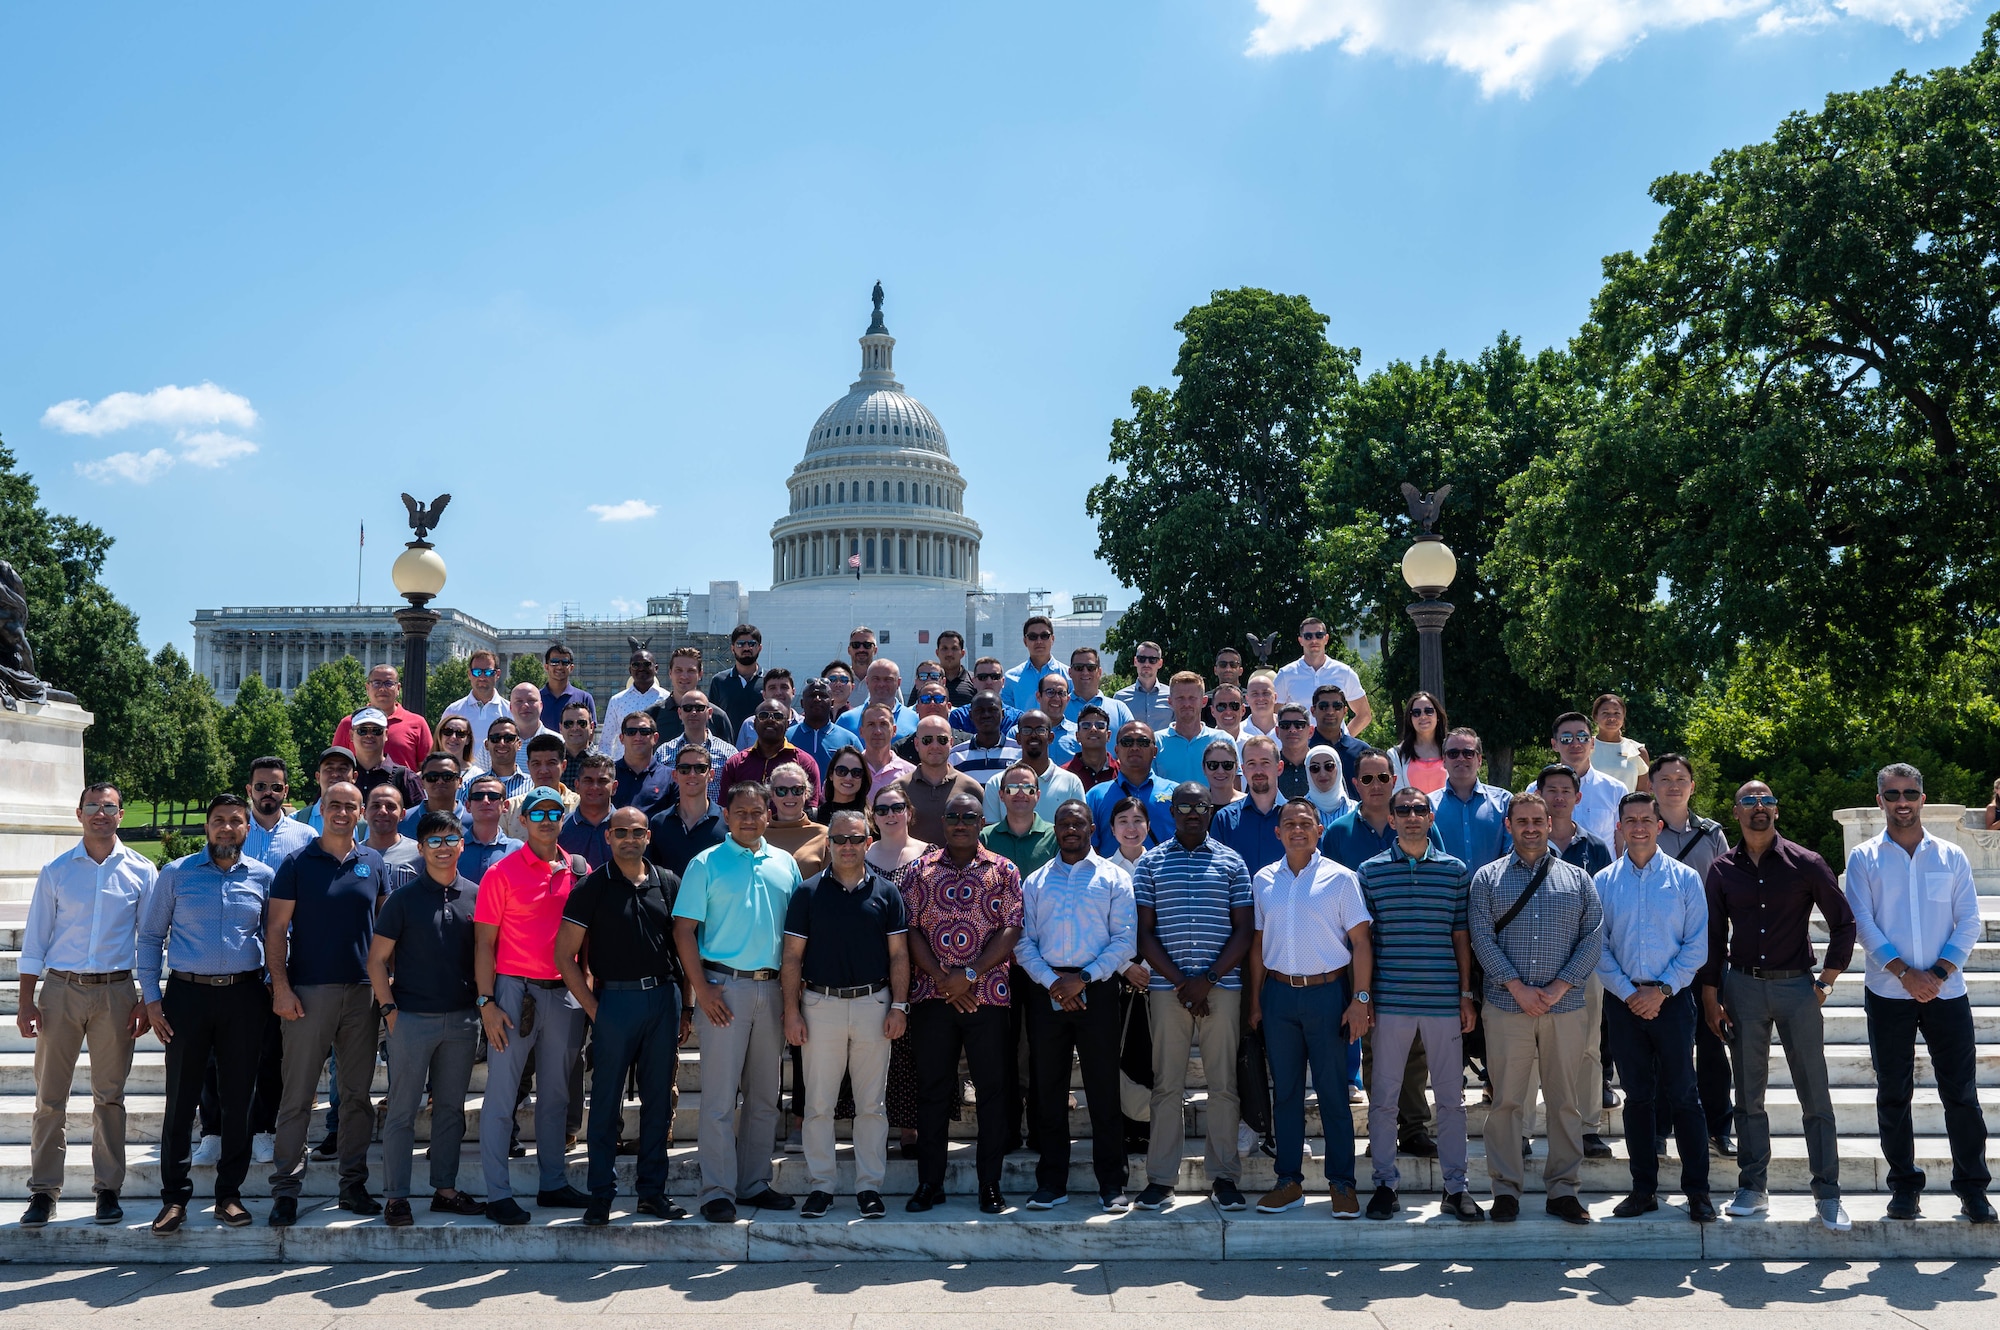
(419, 574)
(1428, 566)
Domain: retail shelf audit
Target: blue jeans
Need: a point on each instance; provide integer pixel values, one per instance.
(1301, 1029)
(640, 1026)
(1656, 1066)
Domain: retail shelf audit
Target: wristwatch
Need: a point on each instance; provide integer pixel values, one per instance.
(1467, 995)
(1208, 976)
(1362, 997)
(1941, 973)
(387, 1007)
(971, 975)
(899, 1006)
(1822, 985)
(482, 999)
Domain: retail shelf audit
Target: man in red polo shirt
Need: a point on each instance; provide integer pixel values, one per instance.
(408, 740)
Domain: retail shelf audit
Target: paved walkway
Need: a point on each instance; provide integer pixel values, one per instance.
(1012, 1295)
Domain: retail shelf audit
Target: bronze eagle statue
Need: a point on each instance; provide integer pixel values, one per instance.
(1424, 508)
(423, 519)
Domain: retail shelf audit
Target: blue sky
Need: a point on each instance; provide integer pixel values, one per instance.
(552, 259)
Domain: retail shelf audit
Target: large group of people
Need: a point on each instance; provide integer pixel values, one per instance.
(999, 875)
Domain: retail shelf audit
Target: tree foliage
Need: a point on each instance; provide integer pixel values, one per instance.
(257, 725)
(189, 714)
(450, 679)
(333, 691)
(524, 669)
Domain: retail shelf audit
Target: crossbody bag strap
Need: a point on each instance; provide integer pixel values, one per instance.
(1521, 901)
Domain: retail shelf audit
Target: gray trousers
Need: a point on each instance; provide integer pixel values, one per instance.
(434, 1048)
(73, 1013)
(1754, 1006)
(1393, 1037)
(553, 1045)
(744, 1057)
(341, 1019)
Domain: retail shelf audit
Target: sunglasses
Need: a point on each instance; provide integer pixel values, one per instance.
(1190, 808)
(835, 679)
(891, 810)
(1328, 704)
(1085, 669)
(789, 791)
(849, 838)
(689, 708)
(860, 646)
(1134, 741)
(483, 673)
(634, 734)
(852, 773)
(1573, 737)
(1375, 778)
(1410, 810)
(1040, 635)
(1313, 637)
(1901, 796)
(1423, 711)
(105, 810)
(1225, 706)
(989, 678)
(746, 642)
(544, 815)
(270, 787)
(1293, 724)
(440, 842)
(503, 738)
(1322, 768)
(484, 797)
(559, 662)
(1147, 660)
(1462, 754)
(576, 724)
(628, 833)
(368, 731)
(432, 777)
(964, 817)
(933, 700)
(930, 674)
(1021, 787)
(693, 770)
(1089, 726)
(932, 740)
(1758, 801)
(1218, 766)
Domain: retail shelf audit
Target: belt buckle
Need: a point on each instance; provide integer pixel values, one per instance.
(649, 982)
(1296, 981)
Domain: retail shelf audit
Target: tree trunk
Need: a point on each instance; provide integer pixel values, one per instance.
(1500, 767)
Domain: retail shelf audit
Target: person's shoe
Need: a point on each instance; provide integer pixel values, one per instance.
(569, 1141)
(397, 1213)
(516, 1150)
(263, 1147)
(1156, 1196)
(1833, 1215)
(1460, 1206)
(507, 1211)
(108, 1209)
(1506, 1209)
(869, 1204)
(41, 1209)
(458, 1203)
(564, 1197)
(1420, 1145)
(1978, 1209)
(360, 1202)
(1225, 1195)
(1594, 1146)
(1355, 1095)
(1747, 1201)
(1383, 1204)
(598, 1213)
(1046, 1198)
(1610, 1097)
(991, 1202)
(232, 1213)
(1285, 1196)
(1113, 1201)
(923, 1198)
(816, 1205)
(1701, 1209)
(1346, 1205)
(1246, 1139)
(1635, 1205)
(769, 1199)
(1903, 1205)
(1568, 1209)
(169, 1220)
(721, 1210)
(1527, 1147)
(328, 1148)
(209, 1151)
(284, 1212)
(661, 1207)
(1265, 1146)
(1722, 1145)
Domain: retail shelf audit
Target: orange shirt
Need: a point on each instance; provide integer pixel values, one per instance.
(523, 895)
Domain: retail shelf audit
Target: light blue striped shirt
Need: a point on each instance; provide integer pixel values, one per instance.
(1655, 924)
(1077, 915)
(1191, 893)
(281, 842)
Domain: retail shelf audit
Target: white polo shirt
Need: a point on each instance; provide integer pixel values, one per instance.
(1298, 681)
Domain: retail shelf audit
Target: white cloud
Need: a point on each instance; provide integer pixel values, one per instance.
(531, 604)
(1512, 45)
(626, 609)
(203, 404)
(139, 468)
(212, 448)
(632, 510)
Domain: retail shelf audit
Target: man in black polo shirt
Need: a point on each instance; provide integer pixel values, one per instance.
(319, 988)
(737, 690)
(846, 976)
(692, 823)
(425, 928)
(372, 763)
(623, 912)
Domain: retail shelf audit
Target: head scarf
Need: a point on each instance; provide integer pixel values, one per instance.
(1331, 803)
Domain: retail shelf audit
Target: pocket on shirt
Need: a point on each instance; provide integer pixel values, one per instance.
(1937, 882)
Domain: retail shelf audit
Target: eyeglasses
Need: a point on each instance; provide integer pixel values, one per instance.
(1313, 636)
(483, 673)
(1021, 787)
(1462, 754)
(105, 810)
(441, 842)
(1083, 726)
(692, 769)
(1134, 741)
(1573, 737)
(964, 817)
(1293, 724)
(932, 740)
(891, 810)
(1039, 635)
(689, 708)
(1423, 711)
(484, 797)
(576, 724)
(1322, 768)
(1030, 729)
(1190, 808)
(1758, 801)
(503, 738)
(1901, 796)
(432, 777)
(628, 833)
(1411, 810)
(849, 838)
(632, 733)
(544, 815)
(833, 679)
(1225, 706)
(1218, 766)
(789, 791)
(266, 787)
(930, 674)
(1375, 778)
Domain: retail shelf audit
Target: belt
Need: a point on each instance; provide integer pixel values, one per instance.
(218, 980)
(759, 975)
(1756, 973)
(94, 977)
(647, 984)
(535, 983)
(1304, 980)
(864, 990)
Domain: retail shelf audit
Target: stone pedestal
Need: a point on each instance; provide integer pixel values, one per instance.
(41, 775)
(1962, 826)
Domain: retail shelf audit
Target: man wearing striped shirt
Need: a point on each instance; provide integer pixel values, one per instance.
(1418, 897)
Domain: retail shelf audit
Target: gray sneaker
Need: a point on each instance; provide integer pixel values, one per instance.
(1834, 1215)
(1748, 1201)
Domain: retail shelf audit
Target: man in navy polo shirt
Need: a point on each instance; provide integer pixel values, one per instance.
(319, 988)
(643, 781)
(1135, 779)
(1250, 825)
(559, 693)
(485, 843)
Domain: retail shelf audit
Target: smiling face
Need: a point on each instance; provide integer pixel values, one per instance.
(1135, 750)
(1033, 732)
(645, 671)
(340, 808)
(788, 792)
(385, 810)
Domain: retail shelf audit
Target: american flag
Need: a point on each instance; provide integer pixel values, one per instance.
(854, 562)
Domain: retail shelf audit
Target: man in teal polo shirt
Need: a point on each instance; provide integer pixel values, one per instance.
(729, 924)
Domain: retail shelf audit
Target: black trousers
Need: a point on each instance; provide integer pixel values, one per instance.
(1019, 1089)
(229, 1024)
(1946, 1025)
(1091, 1037)
(1655, 1061)
(1712, 1080)
(938, 1034)
(263, 1100)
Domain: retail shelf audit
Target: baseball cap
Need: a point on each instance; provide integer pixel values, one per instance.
(370, 716)
(541, 794)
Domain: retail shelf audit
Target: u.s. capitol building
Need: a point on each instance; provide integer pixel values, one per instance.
(876, 533)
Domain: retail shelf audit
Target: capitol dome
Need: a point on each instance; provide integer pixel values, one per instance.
(877, 485)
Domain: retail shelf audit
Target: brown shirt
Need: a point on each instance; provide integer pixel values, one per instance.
(927, 801)
(804, 840)
(1760, 912)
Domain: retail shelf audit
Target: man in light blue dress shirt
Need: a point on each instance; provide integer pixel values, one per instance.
(1471, 815)
(1020, 688)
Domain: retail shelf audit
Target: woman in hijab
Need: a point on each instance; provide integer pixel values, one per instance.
(1324, 785)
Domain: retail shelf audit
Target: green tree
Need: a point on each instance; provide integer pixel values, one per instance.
(331, 693)
(256, 725)
(1209, 520)
(450, 679)
(189, 712)
(525, 669)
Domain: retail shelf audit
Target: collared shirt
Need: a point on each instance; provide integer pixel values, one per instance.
(280, 843)
(623, 703)
(579, 835)
(477, 855)
(1698, 844)
(957, 911)
(1156, 794)
(513, 782)
(906, 719)
(1027, 851)
(738, 898)
(675, 843)
(406, 739)
(880, 778)
(628, 926)
(1417, 905)
(652, 789)
(553, 705)
(515, 825)
(478, 715)
(1596, 805)
(1298, 681)
(431, 925)
(1760, 911)
(1079, 767)
(846, 929)
(333, 915)
(1146, 704)
(980, 763)
(1349, 841)
(1058, 788)
(573, 765)
(1304, 916)
(1249, 832)
(1119, 714)
(1918, 908)
(1063, 743)
(820, 745)
(719, 752)
(201, 920)
(961, 720)
(959, 691)
(737, 696)
(523, 897)
(1020, 687)
(1584, 850)
(1178, 759)
(1557, 934)
(1655, 924)
(1191, 893)
(751, 764)
(1473, 830)
(84, 916)
(1077, 916)
(928, 800)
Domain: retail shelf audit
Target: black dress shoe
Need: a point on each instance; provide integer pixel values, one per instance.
(284, 1212)
(1460, 1206)
(869, 1203)
(1568, 1209)
(232, 1213)
(1594, 1146)
(397, 1213)
(1701, 1209)
(598, 1213)
(660, 1207)
(1722, 1145)
(769, 1199)
(1635, 1205)
(108, 1209)
(330, 1147)
(1903, 1205)
(41, 1209)
(507, 1211)
(721, 1210)
(1978, 1209)
(458, 1203)
(360, 1203)
(1418, 1144)
(923, 1198)
(991, 1202)
(564, 1197)
(1506, 1209)
(1383, 1204)
(170, 1219)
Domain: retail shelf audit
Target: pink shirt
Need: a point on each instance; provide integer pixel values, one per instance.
(523, 896)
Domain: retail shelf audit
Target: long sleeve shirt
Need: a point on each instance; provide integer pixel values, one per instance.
(1760, 912)
(1557, 935)
(1077, 916)
(1474, 830)
(1918, 908)
(84, 915)
(1655, 924)
(199, 919)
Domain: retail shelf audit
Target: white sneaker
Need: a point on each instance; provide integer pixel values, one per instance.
(1834, 1215)
(1747, 1202)
(208, 1152)
(1246, 1139)
(1355, 1096)
(263, 1148)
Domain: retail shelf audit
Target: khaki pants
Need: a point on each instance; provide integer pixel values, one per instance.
(1515, 1046)
(844, 1038)
(73, 1013)
(1589, 1069)
(1175, 1030)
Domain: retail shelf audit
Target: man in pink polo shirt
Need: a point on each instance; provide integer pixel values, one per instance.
(527, 1012)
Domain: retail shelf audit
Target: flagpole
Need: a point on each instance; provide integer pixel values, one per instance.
(359, 550)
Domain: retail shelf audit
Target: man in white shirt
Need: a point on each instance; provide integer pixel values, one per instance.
(641, 692)
(1021, 686)
(1298, 681)
(483, 705)
(1916, 915)
(525, 704)
(1146, 697)
(78, 945)
(1597, 794)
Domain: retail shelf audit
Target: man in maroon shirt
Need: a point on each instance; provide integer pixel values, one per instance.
(772, 750)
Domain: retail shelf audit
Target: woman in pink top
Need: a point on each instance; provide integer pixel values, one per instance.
(1417, 760)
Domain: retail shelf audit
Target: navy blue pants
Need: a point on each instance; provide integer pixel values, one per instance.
(1655, 1061)
(1302, 1030)
(639, 1027)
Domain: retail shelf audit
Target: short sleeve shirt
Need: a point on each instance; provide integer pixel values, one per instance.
(1305, 916)
(738, 898)
(957, 910)
(431, 926)
(523, 896)
(333, 919)
(1191, 893)
(846, 931)
(630, 926)
(1417, 904)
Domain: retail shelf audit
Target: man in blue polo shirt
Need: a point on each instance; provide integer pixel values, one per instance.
(1182, 743)
(644, 782)
(485, 843)
(1135, 780)
(883, 684)
(1471, 815)
(815, 734)
(1021, 687)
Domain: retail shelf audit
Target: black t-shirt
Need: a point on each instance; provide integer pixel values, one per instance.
(432, 929)
(847, 932)
(630, 931)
